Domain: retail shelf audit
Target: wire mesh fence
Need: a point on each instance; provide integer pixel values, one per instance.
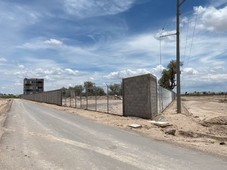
(93, 99)
(165, 97)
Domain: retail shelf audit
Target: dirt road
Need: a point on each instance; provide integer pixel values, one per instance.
(38, 137)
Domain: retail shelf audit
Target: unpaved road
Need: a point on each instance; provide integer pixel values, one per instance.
(38, 137)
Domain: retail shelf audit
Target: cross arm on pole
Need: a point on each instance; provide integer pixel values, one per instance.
(161, 36)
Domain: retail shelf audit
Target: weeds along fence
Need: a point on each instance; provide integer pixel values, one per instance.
(91, 99)
(165, 98)
(51, 97)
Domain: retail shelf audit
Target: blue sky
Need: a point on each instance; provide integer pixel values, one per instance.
(67, 42)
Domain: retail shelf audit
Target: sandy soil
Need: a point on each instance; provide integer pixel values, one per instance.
(201, 125)
(114, 106)
(4, 106)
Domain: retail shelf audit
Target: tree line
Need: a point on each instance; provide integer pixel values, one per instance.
(90, 89)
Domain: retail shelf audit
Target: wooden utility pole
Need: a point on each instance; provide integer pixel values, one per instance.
(179, 3)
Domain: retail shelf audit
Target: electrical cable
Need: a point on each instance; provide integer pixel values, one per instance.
(193, 34)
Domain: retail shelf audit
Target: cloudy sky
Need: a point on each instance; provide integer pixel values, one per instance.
(67, 42)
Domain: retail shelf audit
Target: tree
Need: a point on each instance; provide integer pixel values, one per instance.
(64, 92)
(99, 91)
(78, 89)
(89, 87)
(92, 90)
(168, 79)
(115, 89)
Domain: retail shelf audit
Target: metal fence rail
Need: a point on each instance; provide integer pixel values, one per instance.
(106, 103)
(165, 98)
(51, 97)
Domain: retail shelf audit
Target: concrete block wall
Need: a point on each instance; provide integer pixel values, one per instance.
(51, 97)
(140, 96)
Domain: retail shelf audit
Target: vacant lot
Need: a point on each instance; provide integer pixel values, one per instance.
(201, 125)
(4, 106)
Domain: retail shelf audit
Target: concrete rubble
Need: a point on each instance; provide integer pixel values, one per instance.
(134, 125)
(159, 123)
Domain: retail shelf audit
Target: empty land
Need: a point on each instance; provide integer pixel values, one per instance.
(201, 125)
(4, 106)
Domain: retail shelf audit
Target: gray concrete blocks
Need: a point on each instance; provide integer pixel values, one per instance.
(140, 96)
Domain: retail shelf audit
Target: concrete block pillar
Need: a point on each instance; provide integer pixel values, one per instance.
(140, 96)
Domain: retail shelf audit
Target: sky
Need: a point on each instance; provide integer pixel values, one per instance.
(67, 42)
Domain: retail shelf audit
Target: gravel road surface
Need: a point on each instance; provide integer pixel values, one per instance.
(38, 137)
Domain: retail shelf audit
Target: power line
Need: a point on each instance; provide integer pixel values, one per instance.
(186, 43)
(192, 37)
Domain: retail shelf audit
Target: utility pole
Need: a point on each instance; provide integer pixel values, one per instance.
(179, 3)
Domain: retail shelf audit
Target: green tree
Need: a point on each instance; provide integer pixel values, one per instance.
(168, 79)
(89, 88)
(115, 89)
(92, 90)
(78, 89)
(100, 91)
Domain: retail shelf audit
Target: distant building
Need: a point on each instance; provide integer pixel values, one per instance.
(33, 85)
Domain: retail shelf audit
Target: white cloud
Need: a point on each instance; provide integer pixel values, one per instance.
(21, 66)
(52, 73)
(189, 71)
(92, 8)
(129, 72)
(211, 18)
(217, 69)
(42, 44)
(218, 3)
(53, 42)
(126, 73)
(2, 60)
(216, 77)
(71, 72)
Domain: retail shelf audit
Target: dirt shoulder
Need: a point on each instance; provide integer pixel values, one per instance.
(201, 125)
(4, 108)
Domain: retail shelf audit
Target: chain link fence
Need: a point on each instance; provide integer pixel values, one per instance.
(92, 99)
(102, 99)
(165, 98)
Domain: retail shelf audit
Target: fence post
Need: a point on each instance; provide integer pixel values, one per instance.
(107, 93)
(95, 99)
(70, 99)
(61, 97)
(75, 101)
(80, 100)
(86, 98)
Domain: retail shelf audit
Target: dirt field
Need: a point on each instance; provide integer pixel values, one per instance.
(113, 106)
(201, 125)
(4, 106)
